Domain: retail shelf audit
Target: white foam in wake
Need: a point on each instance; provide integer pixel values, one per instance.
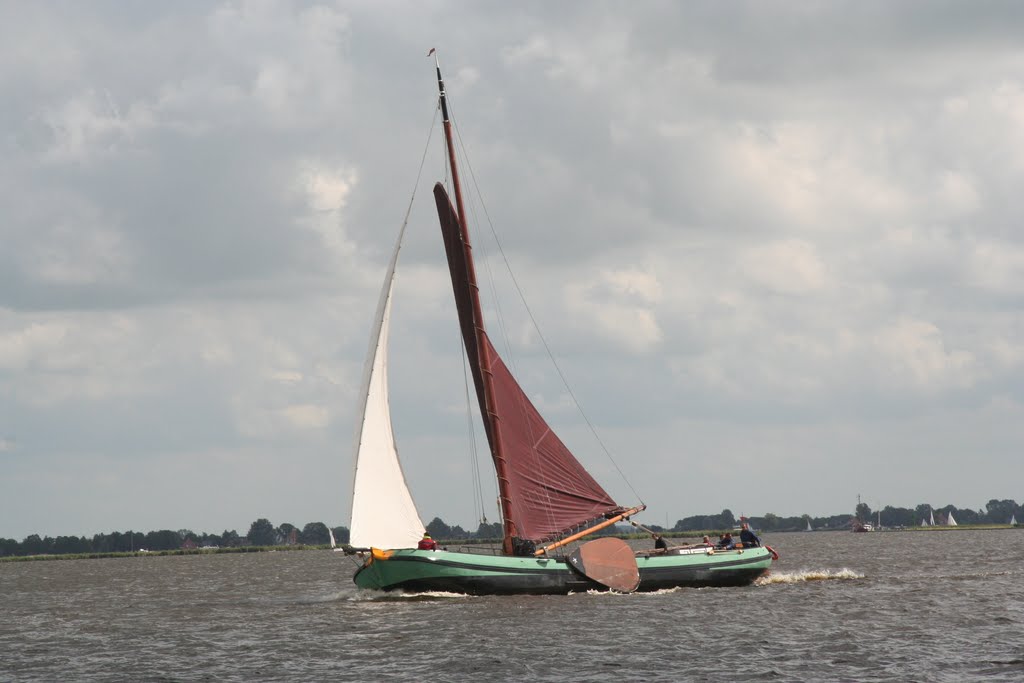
(427, 594)
(616, 594)
(809, 575)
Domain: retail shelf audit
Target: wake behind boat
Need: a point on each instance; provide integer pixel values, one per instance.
(548, 501)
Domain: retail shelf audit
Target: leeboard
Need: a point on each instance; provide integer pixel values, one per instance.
(609, 561)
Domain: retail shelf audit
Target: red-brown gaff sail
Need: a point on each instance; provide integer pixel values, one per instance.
(546, 490)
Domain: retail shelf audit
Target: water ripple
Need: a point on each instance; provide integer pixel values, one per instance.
(845, 607)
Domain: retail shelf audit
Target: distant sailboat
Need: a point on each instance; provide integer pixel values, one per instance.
(1013, 520)
(858, 525)
(334, 544)
(809, 525)
(949, 519)
(924, 522)
(931, 518)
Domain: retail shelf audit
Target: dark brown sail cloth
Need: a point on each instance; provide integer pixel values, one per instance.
(550, 492)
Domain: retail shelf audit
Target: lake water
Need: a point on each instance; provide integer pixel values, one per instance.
(914, 606)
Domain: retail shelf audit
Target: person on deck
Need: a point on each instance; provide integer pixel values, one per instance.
(707, 541)
(427, 543)
(659, 542)
(727, 542)
(748, 538)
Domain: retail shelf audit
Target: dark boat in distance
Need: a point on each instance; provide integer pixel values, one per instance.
(545, 494)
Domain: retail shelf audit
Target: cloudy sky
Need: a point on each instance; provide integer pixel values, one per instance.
(776, 249)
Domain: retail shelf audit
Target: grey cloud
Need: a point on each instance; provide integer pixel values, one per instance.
(759, 239)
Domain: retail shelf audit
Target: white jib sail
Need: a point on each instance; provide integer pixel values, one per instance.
(949, 520)
(383, 512)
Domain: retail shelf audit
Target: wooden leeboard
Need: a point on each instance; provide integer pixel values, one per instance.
(609, 561)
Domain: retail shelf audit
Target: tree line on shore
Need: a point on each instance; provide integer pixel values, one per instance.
(995, 512)
(263, 533)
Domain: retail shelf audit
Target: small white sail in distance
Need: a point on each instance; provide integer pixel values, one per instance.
(334, 544)
(383, 512)
(949, 519)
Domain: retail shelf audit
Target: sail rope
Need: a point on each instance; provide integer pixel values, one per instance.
(536, 326)
(474, 456)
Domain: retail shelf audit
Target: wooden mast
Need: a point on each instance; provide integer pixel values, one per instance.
(483, 361)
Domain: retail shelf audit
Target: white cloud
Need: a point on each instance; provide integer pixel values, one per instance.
(620, 306)
(307, 416)
(918, 357)
(958, 193)
(292, 60)
(998, 267)
(90, 126)
(29, 345)
(327, 189)
(326, 192)
(790, 267)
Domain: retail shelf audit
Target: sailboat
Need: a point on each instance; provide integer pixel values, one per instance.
(809, 526)
(1013, 519)
(857, 525)
(931, 517)
(549, 503)
(949, 519)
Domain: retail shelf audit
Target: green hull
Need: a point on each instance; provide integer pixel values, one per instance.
(419, 571)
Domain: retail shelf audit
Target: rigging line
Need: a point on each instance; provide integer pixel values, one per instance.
(539, 462)
(487, 267)
(478, 499)
(464, 156)
(475, 455)
(401, 233)
(419, 173)
(506, 338)
(499, 315)
(540, 334)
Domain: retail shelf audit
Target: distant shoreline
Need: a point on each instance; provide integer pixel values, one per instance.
(163, 553)
(292, 548)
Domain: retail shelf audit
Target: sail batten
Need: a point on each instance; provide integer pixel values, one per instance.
(546, 491)
(383, 512)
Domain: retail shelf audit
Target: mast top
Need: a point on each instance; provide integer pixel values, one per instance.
(440, 86)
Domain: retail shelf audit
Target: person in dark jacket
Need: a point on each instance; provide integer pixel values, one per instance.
(748, 538)
(659, 542)
(427, 543)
